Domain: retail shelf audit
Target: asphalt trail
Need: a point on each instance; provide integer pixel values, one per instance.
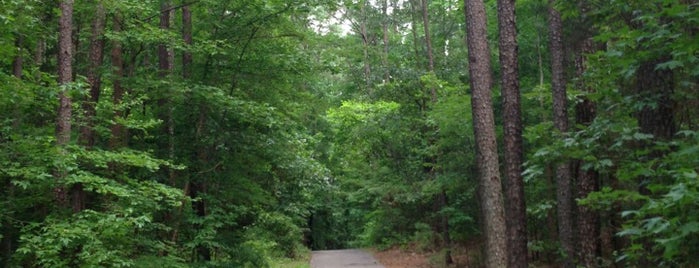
(353, 258)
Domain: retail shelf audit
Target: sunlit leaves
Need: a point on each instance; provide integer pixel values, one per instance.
(357, 112)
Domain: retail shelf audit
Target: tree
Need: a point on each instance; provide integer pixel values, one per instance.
(366, 41)
(656, 85)
(512, 121)
(441, 198)
(94, 75)
(187, 59)
(18, 61)
(428, 39)
(484, 130)
(118, 131)
(384, 27)
(65, 79)
(564, 198)
(587, 178)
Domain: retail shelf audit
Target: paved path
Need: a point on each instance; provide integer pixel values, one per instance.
(343, 258)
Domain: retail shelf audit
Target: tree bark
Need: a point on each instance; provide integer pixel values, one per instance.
(656, 86)
(428, 38)
(164, 64)
(365, 42)
(39, 56)
(387, 70)
(444, 225)
(65, 77)
(18, 61)
(512, 121)
(94, 76)
(95, 58)
(187, 59)
(563, 174)
(118, 131)
(428, 44)
(441, 197)
(587, 179)
(484, 131)
(413, 30)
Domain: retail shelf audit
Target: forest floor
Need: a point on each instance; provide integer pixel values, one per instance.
(410, 256)
(397, 257)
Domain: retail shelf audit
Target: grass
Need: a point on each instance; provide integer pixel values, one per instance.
(291, 263)
(304, 261)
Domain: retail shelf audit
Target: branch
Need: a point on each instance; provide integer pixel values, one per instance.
(212, 168)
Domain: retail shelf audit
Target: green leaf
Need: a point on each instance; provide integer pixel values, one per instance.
(669, 65)
(627, 213)
(630, 232)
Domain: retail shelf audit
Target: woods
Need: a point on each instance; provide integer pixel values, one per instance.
(483, 133)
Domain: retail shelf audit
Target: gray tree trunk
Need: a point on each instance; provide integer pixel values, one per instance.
(563, 174)
(94, 76)
(587, 180)
(187, 37)
(65, 78)
(117, 130)
(484, 131)
(18, 61)
(512, 121)
(384, 58)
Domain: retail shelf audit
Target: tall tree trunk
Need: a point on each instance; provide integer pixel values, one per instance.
(118, 138)
(563, 175)
(187, 37)
(413, 30)
(365, 43)
(540, 64)
(444, 225)
(39, 56)
(484, 131)
(657, 117)
(384, 58)
(8, 230)
(199, 186)
(65, 77)
(87, 136)
(94, 76)
(656, 86)
(187, 61)
(442, 195)
(512, 121)
(164, 64)
(428, 38)
(587, 180)
(18, 61)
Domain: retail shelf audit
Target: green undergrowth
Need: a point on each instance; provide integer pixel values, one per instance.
(302, 261)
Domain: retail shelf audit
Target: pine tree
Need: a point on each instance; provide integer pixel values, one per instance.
(484, 131)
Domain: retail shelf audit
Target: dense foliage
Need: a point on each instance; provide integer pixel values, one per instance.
(218, 133)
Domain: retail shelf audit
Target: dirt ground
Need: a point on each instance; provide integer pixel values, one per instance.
(400, 258)
(464, 256)
(410, 258)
